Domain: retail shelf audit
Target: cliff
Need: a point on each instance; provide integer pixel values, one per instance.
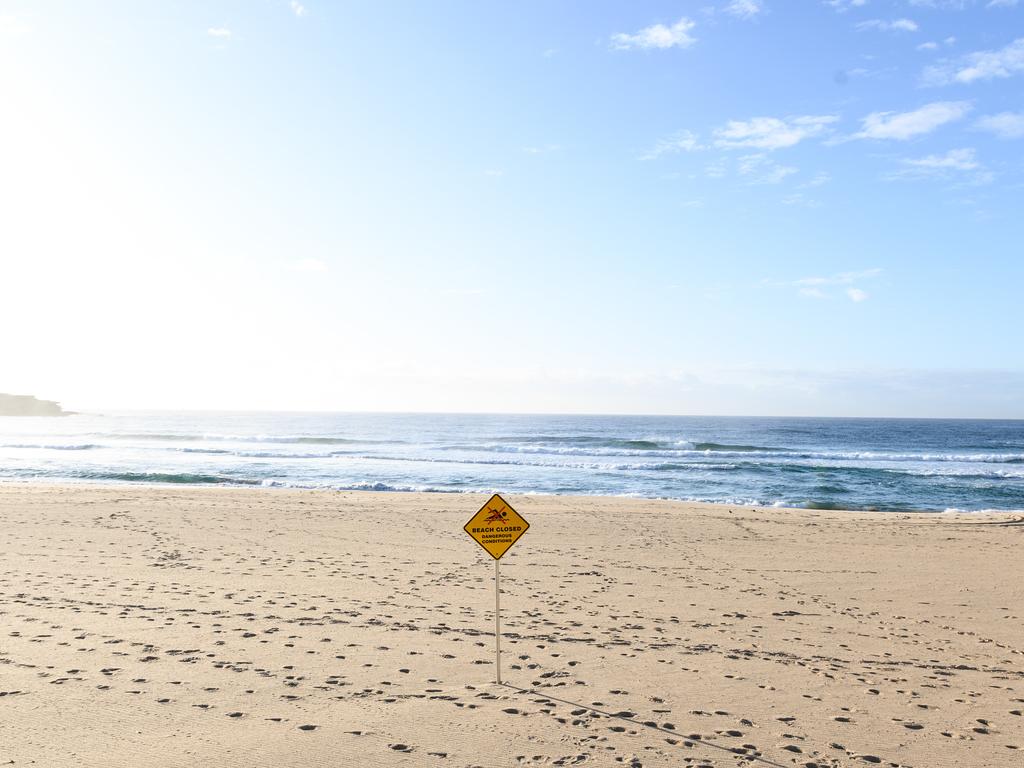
(27, 405)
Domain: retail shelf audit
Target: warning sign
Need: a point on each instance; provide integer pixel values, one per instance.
(496, 527)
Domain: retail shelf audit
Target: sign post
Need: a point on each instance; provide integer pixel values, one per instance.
(497, 619)
(496, 527)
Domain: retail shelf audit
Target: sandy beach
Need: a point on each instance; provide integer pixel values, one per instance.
(224, 627)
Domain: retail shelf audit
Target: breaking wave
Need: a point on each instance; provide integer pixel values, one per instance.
(175, 478)
(179, 437)
(82, 447)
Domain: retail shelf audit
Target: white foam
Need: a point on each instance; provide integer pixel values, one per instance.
(957, 511)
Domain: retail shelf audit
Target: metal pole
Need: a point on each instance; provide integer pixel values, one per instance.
(497, 619)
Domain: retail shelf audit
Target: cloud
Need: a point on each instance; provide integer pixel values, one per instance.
(771, 132)
(959, 164)
(842, 6)
(832, 390)
(840, 278)
(298, 8)
(222, 32)
(759, 169)
(954, 159)
(542, 150)
(744, 9)
(979, 65)
(905, 125)
(896, 25)
(953, 5)
(816, 287)
(931, 45)
(1001, 4)
(801, 200)
(715, 170)
(1005, 125)
(681, 141)
(657, 36)
(818, 180)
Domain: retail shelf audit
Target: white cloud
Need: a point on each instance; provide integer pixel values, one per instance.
(744, 9)
(979, 65)
(219, 32)
(896, 25)
(954, 159)
(298, 8)
(818, 180)
(759, 169)
(817, 286)
(1005, 125)
(803, 201)
(657, 36)
(771, 132)
(715, 170)
(959, 165)
(840, 278)
(1001, 4)
(842, 6)
(681, 141)
(542, 150)
(933, 46)
(905, 125)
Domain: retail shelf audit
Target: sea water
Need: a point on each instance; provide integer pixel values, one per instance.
(884, 464)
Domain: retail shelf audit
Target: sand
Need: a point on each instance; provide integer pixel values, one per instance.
(224, 627)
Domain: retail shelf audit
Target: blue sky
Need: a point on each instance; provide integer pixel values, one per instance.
(668, 207)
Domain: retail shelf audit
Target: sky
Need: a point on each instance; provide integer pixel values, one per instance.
(741, 207)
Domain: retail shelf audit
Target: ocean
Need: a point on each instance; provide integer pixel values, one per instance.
(836, 463)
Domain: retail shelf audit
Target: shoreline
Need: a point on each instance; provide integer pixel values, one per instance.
(237, 486)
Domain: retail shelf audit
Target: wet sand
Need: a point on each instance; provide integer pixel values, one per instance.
(223, 627)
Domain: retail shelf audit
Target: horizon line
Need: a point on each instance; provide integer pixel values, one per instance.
(581, 414)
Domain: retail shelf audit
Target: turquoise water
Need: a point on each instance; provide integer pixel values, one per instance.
(887, 464)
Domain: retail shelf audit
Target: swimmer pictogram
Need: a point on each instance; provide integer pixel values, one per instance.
(496, 515)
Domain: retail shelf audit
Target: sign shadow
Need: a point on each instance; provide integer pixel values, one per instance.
(674, 734)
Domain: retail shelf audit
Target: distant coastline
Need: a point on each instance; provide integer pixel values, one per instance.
(29, 405)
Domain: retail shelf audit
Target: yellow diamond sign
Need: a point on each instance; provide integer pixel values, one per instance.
(496, 527)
